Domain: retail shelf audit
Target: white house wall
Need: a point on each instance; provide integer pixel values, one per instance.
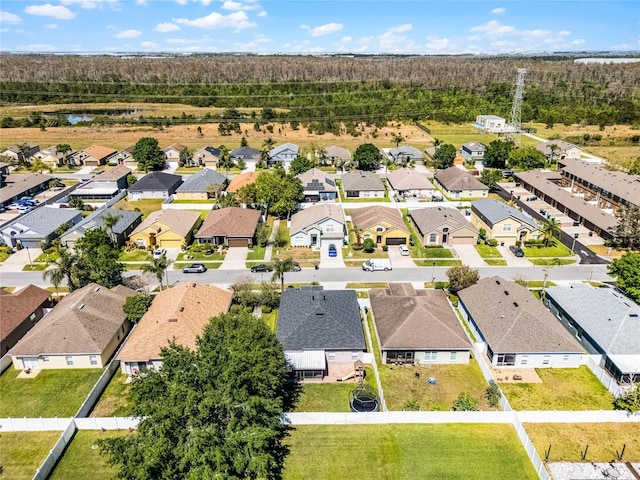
(442, 358)
(543, 360)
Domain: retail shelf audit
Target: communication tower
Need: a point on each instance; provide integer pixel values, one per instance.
(514, 125)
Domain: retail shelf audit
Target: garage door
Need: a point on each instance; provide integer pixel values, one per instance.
(170, 243)
(463, 241)
(396, 241)
(238, 242)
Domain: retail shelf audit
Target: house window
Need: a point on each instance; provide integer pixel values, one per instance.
(329, 228)
(379, 229)
(453, 356)
(332, 355)
(566, 358)
(506, 227)
(431, 356)
(433, 238)
(32, 317)
(546, 360)
(506, 360)
(523, 361)
(354, 356)
(69, 361)
(45, 359)
(93, 360)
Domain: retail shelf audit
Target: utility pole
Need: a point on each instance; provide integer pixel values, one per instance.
(515, 119)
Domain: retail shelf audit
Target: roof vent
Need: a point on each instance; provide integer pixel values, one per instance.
(193, 284)
(506, 292)
(81, 306)
(497, 282)
(173, 319)
(515, 304)
(97, 289)
(182, 309)
(634, 315)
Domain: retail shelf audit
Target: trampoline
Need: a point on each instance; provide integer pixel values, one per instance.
(363, 399)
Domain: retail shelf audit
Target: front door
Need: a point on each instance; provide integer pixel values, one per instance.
(314, 240)
(445, 237)
(378, 238)
(31, 363)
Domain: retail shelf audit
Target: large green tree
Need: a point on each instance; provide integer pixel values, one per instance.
(98, 260)
(550, 228)
(278, 192)
(461, 277)
(626, 269)
(136, 306)
(527, 158)
(627, 231)
(300, 165)
(148, 155)
(157, 266)
(497, 153)
(444, 156)
(490, 177)
(367, 156)
(212, 413)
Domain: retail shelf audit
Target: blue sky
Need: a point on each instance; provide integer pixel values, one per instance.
(318, 26)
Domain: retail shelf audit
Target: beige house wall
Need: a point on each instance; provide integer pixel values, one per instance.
(442, 357)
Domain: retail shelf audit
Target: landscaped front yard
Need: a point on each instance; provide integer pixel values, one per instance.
(491, 255)
(561, 389)
(52, 393)
(557, 250)
(393, 452)
(567, 440)
(21, 453)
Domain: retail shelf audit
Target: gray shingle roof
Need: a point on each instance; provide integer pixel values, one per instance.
(430, 218)
(513, 320)
(155, 182)
(495, 211)
(607, 316)
(309, 217)
(96, 220)
(405, 151)
(275, 152)
(545, 147)
(43, 221)
(317, 180)
(311, 318)
(198, 182)
(474, 147)
(361, 181)
(245, 153)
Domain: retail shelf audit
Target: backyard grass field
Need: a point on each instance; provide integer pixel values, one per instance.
(52, 393)
(390, 452)
(21, 453)
(561, 389)
(330, 397)
(568, 440)
(116, 398)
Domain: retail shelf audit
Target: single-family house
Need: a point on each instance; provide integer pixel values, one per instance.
(503, 222)
(403, 154)
(174, 152)
(154, 185)
(335, 155)
(231, 226)
(21, 153)
(317, 226)
(166, 228)
(443, 226)
(362, 184)
(39, 226)
(96, 155)
(207, 157)
(417, 326)
(491, 124)
(50, 156)
(320, 331)
(14, 187)
(179, 313)
(240, 180)
(318, 186)
(605, 322)
(383, 225)
(125, 155)
(283, 154)
(82, 331)
(459, 184)
(201, 185)
(473, 151)
(127, 221)
(246, 154)
(21, 310)
(410, 184)
(515, 327)
(558, 150)
(104, 185)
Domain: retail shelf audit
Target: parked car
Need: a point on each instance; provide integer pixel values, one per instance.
(517, 251)
(159, 252)
(333, 252)
(404, 250)
(261, 268)
(296, 267)
(194, 268)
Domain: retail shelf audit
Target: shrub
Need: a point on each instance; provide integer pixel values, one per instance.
(266, 309)
(248, 309)
(236, 308)
(465, 402)
(492, 394)
(357, 247)
(440, 285)
(492, 242)
(411, 405)
(385, 248)
(368, 245)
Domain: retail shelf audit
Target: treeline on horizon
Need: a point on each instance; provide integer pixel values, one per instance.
(310, 89)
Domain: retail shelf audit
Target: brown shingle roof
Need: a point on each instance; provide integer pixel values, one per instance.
(241, 180)
(430, 218)
(312, 215)
(454, 178)
(423, 319)
(18, 305)
(178, 147)
(405, 179)
(230, 222)
(513, 320)
(361, 181)
(178, 221)
(115, 173)
(85, 321)
(369, 217)
(181, 313)
(99, 152)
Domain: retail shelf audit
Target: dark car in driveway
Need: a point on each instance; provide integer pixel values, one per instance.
(333, 252)
(296, 267)
(261, 268)
(194, 268)
(517, 251)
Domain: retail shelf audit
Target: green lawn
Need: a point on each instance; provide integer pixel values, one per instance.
(330, 397)
(305, 256)
(196, 201)
(457, 134)
(21, 453)
(561, 389)
(3, 256)
(568, 440)
(552, 262)
(344, 199)
(495, 263)
(199, 256)
(115, 399)
(435, 253)
(82, 459)
(209, 265)
(146, 205)
(53, 393)
(256, 253)
(486, 251)
(394, 452)
(367, 285)
(400, 385)
(49, 255)
(137, 255)
(438, 263)
(557, 250)
(34, 267)
(271, 319)
(349, 252)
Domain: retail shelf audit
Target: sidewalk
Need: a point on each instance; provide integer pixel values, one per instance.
(17, 260)
(269, 250)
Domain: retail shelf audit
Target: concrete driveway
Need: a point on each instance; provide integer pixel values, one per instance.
(469, 256)
(331, 262)
(235, 259)
(512, 260)
(17, 260)
(398, 260)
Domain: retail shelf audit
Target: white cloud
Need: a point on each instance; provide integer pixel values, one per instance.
(499, 10)
(142, 3)
(38, 47)
(166, 27)
(262, 14)
(437, 44)
(493, 28)
(128, 34)
(182, 2)
(51, 26)
(182, 41)
(48, 10)
(236, 6)
(88, 4)
(237, 20)
(346, 39)
(9, 18)
(400, 28)
(148, 44)
(326, 29)
(391, 41)
(577, 41)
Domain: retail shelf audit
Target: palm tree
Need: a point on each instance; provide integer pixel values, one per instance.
(550, 228)
(224, 160)
(280, 267)
(64, 149)
(108, 222)
(63, 267)
(157, 266)
(553, 149)
(267, 146)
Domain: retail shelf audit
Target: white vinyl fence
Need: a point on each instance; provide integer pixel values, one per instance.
(56, 452)
(5, 362)
(98, 388)
(606, 379)
(530, 449)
